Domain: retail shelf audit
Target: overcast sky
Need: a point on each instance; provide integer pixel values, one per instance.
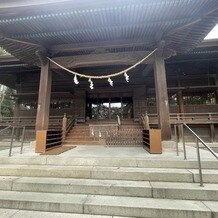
(213, 34)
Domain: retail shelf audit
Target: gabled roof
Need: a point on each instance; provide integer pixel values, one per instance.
(181, 23)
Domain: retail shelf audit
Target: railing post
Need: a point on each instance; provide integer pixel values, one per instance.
(179, 127)
(64, 128)
(183, 142)
(199, 163)
(12, 139)
(176, 138)
(22, 140)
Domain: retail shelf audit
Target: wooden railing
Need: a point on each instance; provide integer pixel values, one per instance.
(202, 119)
(54, 121)
(191, 118)
(52, 138)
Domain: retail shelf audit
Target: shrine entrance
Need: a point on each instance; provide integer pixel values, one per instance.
(107, 108)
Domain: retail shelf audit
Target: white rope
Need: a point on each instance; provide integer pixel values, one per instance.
(104, 76)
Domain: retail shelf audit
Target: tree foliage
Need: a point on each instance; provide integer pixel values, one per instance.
(3, 52)
(6, 102)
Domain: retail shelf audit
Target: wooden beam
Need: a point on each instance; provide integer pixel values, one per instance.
(208, 43)
(8, 58)
(148, 69)
(196, 19)
(42, 117)
(216, 91)
(162, 96)
(125, 43)
(107, 59)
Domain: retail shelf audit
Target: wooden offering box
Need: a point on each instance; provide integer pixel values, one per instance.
(152, 141)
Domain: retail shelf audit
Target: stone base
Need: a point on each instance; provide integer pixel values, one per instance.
(33, 144)
(169, 145)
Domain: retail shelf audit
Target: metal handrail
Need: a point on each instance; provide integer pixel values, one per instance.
(5, 129)
(70, 124)
(12, 137)
(198, 139)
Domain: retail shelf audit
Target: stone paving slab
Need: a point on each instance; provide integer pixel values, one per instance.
(213, 206)
(210, 176)
(6, 182)
(104, 205)
(132, 152)
(84, 186)
(194, 191)
(12, 213)
(42, 201)
(145, 207)
(149, 174)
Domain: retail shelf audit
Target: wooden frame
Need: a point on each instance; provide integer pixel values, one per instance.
(41, 136)
(152, 141)
(48, 139)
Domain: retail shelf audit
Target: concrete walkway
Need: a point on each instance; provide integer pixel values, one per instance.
(116, 152)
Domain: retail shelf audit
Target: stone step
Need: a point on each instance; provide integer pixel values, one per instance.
(81, 142)
(77, 131)
(80, 130)
(80, 138)
(145, 162)
(87, 135)
(15, 213)
(170, 190)
(109, 173)
(106, 205)
(76, 186)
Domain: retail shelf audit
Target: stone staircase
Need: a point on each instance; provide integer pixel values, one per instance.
(129, 134)
(80, 135)
(131, 187)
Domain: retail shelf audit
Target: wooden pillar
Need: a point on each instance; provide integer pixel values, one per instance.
(42, 117)
(64, 128)
(180, 102)
(16, 119)
(216, 92)
(162, 96)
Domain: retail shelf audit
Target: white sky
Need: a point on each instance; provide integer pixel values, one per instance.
(213, 34)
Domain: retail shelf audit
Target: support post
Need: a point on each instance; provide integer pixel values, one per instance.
(180, 102)
(16, 120)
(212, 130)
(216, 92)
(162, 96)
(64, 128)
(42, 118)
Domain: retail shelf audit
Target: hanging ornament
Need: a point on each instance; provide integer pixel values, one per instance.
(91, 86)
(75, 80)
(93, 132)
(126, 77)
(110, 81)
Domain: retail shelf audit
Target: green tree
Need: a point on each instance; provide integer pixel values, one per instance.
(6, 102)
(3, 52)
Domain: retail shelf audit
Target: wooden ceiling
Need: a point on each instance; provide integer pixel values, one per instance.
(84, 27)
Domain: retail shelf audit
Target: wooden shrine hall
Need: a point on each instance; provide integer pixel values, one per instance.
(63, 53)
